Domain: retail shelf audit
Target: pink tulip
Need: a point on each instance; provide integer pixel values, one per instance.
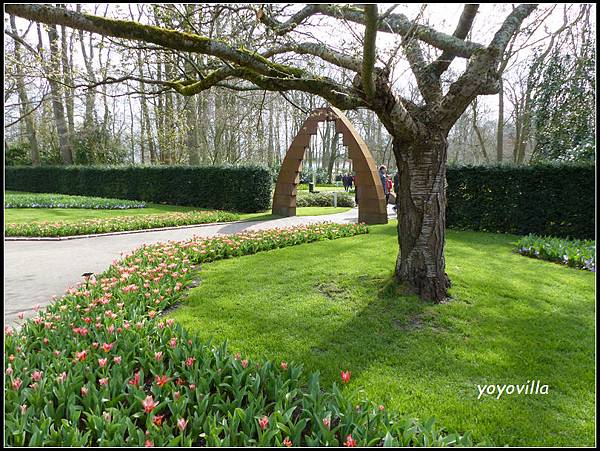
(102, 362)
(36, 376)
(263, 422)
(17, 383)
(149, 404)
(136, 379)
(181, 424)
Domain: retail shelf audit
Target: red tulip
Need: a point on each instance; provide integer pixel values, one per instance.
(350, 442)
(346, 376)
(161, 380)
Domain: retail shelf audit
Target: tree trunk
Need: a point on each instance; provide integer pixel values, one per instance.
(420, 267)
(500, 131)
(26, 112)
(66, 152)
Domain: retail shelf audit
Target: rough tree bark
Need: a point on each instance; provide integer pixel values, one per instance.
(421, 215)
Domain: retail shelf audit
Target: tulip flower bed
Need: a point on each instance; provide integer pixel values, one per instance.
(46, 200)
(117, 224)
(101, 368)
(575, 253)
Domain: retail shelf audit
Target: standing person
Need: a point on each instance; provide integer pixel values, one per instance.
(383, 178)
(345, 182)
(396, 187)
(350, 180)
(390, 185)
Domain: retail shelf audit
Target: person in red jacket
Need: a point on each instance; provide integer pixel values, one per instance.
(389, 185)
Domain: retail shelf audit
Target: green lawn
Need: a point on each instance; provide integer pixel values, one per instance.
(25, 215)
(331, 306)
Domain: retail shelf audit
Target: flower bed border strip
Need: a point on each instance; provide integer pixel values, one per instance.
(124, 232)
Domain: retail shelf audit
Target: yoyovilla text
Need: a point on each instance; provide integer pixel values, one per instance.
(529, 388)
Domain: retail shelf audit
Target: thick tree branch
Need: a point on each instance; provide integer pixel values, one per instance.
(462, 30)
(176, 40)
(249, 65)
(393, 23)
(482, 75)
(428, 83)
(281, 28)
(369, 50)
(318, 50)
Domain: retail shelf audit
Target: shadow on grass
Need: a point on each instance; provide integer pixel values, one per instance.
(334, 306)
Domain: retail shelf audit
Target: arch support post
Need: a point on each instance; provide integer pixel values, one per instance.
(372, 207)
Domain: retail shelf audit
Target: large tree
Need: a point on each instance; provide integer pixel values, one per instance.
(419, 129)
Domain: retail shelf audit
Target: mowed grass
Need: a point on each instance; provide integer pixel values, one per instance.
(332, 306)
(26, 215)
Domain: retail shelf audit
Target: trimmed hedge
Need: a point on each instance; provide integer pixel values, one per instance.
(242, 188)
(550, 199)
(324, 199)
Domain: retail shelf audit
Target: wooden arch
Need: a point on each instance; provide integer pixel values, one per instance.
(372, 207)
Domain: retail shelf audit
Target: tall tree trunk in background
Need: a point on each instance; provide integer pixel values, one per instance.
(478, 133)
(145, 115)
(500, 130)
(421, 215)
(192, 132)
(169, 130)
(90, 94)
(26, 114)
(67, 71)
(66, 150)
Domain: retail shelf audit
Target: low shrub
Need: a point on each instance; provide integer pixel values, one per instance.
(324, 199)
(46, 200)
(117, 224)
(100, 367)
(575, 253)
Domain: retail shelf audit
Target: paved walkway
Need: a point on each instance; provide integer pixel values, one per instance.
(34, 271)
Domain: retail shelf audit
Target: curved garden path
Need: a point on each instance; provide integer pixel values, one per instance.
(36, 270)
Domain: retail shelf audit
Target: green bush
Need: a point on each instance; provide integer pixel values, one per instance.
(46, 200)
(324, 199)
(101, 368)
(243, 188)
(575, 253)
(550, 199)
